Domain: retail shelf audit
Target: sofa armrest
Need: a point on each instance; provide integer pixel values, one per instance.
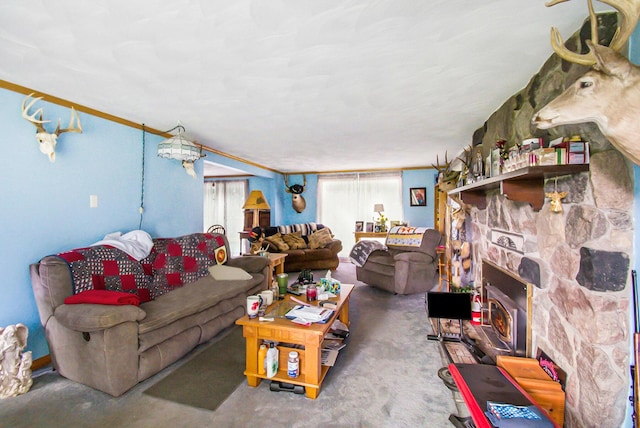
(87, 317)
(335, 246)
(414, 257)
(251, 264)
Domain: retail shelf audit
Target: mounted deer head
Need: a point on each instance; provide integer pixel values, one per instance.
(297, 201)
(446, 177)
(608, 94)
(47, 141)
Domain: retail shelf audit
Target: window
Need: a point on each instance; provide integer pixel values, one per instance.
(344, 199)
(223, 202)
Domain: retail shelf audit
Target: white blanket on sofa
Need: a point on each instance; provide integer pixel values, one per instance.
(137, 243)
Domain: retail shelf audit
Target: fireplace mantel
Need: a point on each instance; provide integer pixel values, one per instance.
(523, 185)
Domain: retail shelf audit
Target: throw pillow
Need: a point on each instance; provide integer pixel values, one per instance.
(277, 242)
(295, 240)
(320, 238)
(224, 273)
(221, 255)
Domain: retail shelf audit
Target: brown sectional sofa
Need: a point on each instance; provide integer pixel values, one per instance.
(325, 257)
(112, 348)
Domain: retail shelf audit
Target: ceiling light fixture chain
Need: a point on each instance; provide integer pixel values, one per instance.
(144, 133)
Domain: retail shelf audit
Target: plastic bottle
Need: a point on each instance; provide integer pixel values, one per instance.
(262, 356)
(272, 360)
(293, 365)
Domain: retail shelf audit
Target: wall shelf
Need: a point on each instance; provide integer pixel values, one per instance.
(522, 185)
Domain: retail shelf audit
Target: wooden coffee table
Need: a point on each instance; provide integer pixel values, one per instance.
(282, 330)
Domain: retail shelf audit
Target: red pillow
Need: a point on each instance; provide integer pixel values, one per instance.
(103, 297)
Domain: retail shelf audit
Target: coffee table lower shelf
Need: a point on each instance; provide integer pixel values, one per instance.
(311, 390)
(306, 340)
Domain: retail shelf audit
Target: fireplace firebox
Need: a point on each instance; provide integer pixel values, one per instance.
(508, 314)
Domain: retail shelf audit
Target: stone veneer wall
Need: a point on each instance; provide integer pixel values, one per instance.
(578, 259)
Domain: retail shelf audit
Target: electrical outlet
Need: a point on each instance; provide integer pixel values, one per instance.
(93, 201)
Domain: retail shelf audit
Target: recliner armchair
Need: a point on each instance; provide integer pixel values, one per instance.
(403, 269)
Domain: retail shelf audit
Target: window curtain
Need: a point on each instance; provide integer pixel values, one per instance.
(344, 199)
(223, 202)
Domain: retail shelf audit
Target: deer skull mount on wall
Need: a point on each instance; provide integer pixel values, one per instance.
(297, 201)
(47, 141)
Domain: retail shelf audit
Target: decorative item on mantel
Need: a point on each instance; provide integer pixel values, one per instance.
(15, 365)
(556, 199)
(179, 148)
(47, 141)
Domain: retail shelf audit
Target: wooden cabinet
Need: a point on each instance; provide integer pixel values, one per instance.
(264, 219)
(523, 185)
(439, 209)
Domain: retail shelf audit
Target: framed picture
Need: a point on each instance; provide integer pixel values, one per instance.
(418, 196)
(395, 223)
(359, 226)
(369, 226)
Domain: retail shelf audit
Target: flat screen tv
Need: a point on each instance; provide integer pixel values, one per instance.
(456, 306)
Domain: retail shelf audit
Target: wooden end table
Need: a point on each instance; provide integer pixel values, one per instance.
(282, 330)
(363, 235)
(276, 262)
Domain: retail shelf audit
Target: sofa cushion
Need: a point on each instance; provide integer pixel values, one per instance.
(165, 316)
(226, 273)
(320, 238)
(295, 240)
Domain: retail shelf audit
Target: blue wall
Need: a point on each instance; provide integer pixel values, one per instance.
(418, 216)
(46, 205)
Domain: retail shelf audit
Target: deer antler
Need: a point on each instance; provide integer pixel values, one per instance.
(32, 118)
(440, 169)
(629, 11)
(71, 127)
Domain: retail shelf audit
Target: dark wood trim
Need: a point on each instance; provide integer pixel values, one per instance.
(41, 362)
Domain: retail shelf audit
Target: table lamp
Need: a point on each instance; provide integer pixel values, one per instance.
(379, 208)
(256, 202)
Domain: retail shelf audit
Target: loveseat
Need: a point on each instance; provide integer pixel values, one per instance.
(307, 245)
(407, 263)
(112, 348)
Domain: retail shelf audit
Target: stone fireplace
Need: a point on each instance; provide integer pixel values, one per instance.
(577, 260)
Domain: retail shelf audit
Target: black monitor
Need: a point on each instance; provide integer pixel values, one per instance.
(455, 306)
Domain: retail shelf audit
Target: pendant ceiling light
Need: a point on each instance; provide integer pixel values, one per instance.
(179, 148)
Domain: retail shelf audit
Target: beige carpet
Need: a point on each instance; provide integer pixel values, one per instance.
(208, 377)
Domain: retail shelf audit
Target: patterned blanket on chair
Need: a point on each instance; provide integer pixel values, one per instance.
(406, 236)
(361, 251)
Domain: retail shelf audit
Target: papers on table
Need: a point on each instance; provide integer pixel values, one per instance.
(328, 357)
(310, 313)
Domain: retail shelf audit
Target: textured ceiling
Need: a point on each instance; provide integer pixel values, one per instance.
(294, 85)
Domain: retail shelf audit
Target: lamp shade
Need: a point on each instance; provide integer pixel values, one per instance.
(256, 201)
(178, 147)
(378, 208)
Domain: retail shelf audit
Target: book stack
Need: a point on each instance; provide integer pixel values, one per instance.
(570, 150)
